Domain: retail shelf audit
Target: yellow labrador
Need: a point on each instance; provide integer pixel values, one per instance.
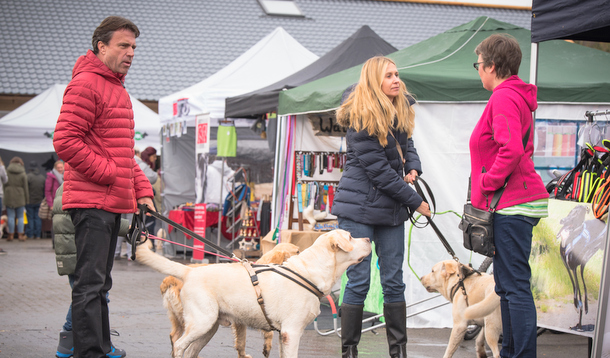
(223, 293)
(482, 308)
(171, 286)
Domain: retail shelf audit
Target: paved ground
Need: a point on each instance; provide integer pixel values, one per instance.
(34, 301)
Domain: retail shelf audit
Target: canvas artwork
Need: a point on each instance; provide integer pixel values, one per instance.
(566, 261)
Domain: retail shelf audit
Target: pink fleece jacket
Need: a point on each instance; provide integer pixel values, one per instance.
(496, 148)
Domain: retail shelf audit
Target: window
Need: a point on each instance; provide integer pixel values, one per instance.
(280, 8)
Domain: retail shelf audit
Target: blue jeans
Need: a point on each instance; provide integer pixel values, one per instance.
(390, 248)
(512, 273)
(34, 226)
(13, 213)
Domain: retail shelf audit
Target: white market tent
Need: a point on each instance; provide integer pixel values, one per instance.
(276, 56)
(29, 128)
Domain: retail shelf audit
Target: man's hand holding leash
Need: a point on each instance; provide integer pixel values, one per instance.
(148, 202)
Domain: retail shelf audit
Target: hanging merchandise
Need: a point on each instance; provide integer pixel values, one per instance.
(226, 141)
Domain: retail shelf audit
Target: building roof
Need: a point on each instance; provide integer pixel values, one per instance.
(184, 41)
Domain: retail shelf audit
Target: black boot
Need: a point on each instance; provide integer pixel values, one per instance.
(351, 328)
(395, 315)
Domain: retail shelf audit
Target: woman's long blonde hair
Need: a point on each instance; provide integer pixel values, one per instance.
(368, 108)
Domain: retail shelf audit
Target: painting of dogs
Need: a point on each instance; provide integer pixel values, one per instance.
(223, 293)
(480, 304)
(171, 286)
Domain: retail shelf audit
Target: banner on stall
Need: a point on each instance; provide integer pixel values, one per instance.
(566, 261)
(325, 124)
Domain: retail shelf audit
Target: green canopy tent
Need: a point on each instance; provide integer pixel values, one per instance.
(572, 79)
(440, 69)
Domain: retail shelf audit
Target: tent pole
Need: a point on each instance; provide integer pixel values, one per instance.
(276, 170)
(534, 71)
(220, 206)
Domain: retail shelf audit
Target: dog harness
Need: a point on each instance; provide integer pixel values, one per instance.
(253, 270)
(460, 284)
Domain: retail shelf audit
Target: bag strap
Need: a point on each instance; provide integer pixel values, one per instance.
(496, 198)
(402, 158)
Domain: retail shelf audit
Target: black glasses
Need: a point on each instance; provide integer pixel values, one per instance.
(476, 65)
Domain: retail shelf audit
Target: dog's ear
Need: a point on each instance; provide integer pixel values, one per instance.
(450, 268)
(339, 242)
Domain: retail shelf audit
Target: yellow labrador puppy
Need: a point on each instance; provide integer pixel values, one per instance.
(223, 293)
(482, 308)
(171, 286)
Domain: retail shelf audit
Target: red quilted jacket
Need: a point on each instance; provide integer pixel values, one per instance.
(94, 137)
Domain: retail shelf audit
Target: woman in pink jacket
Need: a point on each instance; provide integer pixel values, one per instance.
(54, 179)
(497, 152)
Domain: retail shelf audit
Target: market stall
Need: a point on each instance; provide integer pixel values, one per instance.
(450, 100)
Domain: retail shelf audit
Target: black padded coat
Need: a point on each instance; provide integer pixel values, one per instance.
(372, 190)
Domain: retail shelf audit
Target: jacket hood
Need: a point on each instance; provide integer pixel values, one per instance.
(527, 91)
(91, 63)
(15, 168)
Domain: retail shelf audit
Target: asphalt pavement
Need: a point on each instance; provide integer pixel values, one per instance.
(34, 300)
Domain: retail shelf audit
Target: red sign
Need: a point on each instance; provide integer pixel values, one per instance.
(202, 133)
(199, 229)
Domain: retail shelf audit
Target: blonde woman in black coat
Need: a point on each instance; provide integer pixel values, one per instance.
(373, 198)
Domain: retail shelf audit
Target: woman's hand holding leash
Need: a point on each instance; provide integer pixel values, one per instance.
(410, 177)
(424, 209)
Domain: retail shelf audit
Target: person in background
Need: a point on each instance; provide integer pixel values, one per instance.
(54, 179)
(65, 255)
(149, 156)
(16, 195)
(3, 179)
(94, 136)
(374, 199)
(497, 152)
(36, 183)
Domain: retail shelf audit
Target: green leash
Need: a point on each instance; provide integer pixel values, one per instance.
(409, 239)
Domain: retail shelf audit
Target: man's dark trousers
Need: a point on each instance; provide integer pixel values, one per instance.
(96, 234)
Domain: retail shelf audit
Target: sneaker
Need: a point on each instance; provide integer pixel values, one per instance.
(2, 252)
(65, 349)
(116, 352)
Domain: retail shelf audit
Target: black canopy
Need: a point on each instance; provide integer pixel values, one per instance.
(586, 20)
(355, 50)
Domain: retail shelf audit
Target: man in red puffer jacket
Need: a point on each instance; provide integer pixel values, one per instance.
(94, 137)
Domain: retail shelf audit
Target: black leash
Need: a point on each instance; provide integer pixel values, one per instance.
(138, 228)
(432, 203)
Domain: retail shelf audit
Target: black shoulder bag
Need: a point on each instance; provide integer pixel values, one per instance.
(477, 224)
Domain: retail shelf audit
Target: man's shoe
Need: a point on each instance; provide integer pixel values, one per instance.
(65, 349)
(116, 352)
(2, 252)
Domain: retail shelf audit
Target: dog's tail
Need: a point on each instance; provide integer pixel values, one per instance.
(144, 255)
(481, 309)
